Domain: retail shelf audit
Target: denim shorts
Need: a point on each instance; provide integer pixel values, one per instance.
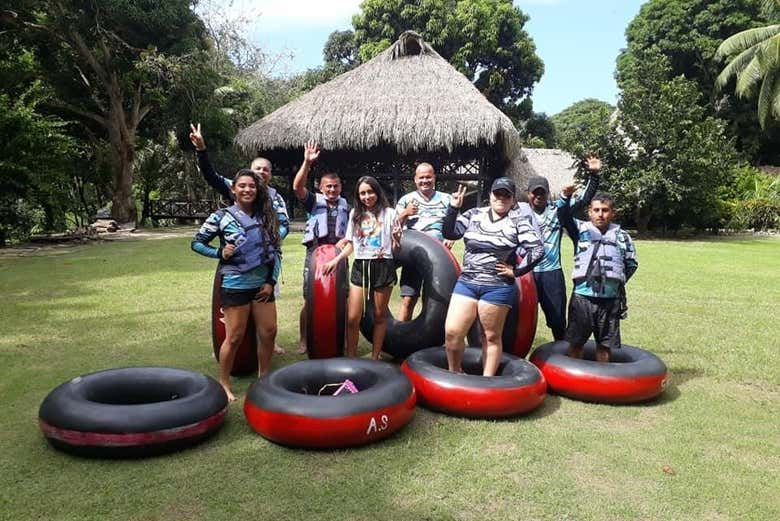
(503, 295)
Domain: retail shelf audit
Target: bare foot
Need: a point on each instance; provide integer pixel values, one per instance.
(301, 348)
(279, 350)
(230, 396)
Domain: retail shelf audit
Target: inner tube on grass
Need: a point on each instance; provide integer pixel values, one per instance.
(285, 407)
(518, 386)
(132, 412)
(632, 375)
(326, 305)
(440, 271)
(520, 326)
(246, 354)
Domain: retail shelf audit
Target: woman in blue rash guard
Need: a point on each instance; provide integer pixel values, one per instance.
(249, 261)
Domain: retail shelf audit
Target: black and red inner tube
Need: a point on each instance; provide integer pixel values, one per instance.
(439, 270)
(132, 412)
(286, 407)
(246, 354)
(632, 375)
(517, 388)
(326, 305)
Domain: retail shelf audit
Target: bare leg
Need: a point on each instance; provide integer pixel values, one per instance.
(235, 327)
(602, 353)
(381, 300)
(354, 312)
(460, 316)
(302, 330)
(492, 318)
(407, 308)
(264, 314)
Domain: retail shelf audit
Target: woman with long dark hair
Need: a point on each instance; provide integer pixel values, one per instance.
(373, 233)
(249, 261)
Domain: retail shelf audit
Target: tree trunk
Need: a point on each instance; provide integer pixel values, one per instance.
(123, 208)
(642, 217)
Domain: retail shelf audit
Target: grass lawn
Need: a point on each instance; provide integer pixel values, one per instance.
(709, 448)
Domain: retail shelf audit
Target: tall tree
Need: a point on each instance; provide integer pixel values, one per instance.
(111, 62)
(688, 33)
(666, 159)
(583, 126)
(754, 58)
(483, 39)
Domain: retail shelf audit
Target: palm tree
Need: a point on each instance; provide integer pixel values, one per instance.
(754, 58)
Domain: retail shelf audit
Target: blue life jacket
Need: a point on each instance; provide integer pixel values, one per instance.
(317, 224)
(253, 247)
(598, 255)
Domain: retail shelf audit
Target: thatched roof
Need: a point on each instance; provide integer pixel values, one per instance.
(407, 98)
(554, 164)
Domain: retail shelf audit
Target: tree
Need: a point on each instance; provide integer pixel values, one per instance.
(754, 58)
(688, 33)
(538, 131)
(666, 159)
(111, 62)
(483, 39)
(583, 126)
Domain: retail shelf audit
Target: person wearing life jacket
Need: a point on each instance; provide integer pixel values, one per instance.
(222, 185)
(423, 210)
(604, 260)
(249, 261)
(548, 274)
(328, 214)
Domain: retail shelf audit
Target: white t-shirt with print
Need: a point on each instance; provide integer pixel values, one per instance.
(373, 237)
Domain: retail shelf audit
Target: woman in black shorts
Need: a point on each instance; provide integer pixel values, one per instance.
(249, 261)
(373, 233)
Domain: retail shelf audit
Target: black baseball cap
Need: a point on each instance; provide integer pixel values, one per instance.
(538, 182)
(503, 183)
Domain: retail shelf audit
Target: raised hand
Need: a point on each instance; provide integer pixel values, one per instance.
(196, 138)
(592, 163)
(311, 151)
(568, 190)
(457, 197)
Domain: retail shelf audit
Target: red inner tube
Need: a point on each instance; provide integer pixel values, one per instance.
(246, 355)
(518, 387)
(634, 375)
(326, 305)
(285, 407)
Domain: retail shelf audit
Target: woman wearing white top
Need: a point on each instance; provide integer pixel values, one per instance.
(373, 233)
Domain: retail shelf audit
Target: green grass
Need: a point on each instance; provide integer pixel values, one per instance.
(708, 308)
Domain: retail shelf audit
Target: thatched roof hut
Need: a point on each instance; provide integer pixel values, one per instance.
(404, 106)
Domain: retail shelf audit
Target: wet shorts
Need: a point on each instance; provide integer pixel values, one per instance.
(373, 273)
(240, 297)
(503, 295)
(411, 282)
(600, 316)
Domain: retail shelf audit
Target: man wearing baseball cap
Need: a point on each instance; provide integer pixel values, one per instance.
(552, 218)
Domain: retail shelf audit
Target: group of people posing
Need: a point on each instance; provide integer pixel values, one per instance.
(502, 241)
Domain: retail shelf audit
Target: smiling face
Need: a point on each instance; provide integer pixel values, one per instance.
(425, 179)
(262, 167)
(538, 199)
(601, 214)
(245, 190)
(330, 187)
(501, 201)
(366, 195)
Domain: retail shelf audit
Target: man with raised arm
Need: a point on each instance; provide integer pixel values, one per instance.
(328, 214)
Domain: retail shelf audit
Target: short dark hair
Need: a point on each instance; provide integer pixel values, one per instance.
(604, 198)
(332, 175)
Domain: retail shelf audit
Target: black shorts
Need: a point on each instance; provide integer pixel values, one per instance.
(373, 273)
(411, 282)
(600, 316)
(240, 297)
(306, 259)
